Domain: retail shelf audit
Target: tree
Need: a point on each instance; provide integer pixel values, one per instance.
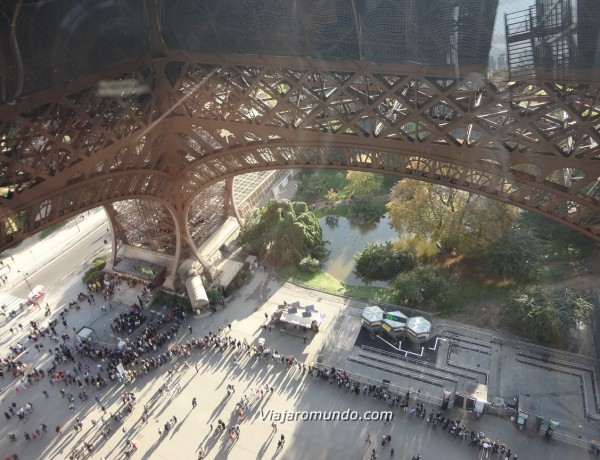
(545, 314)
(311, 182)
(562, 241)
(285, 231)
(309, 264)
(331, 197)
(462, 221)
(419, 246)
(515, 256)
(423, 285)
(364, 183)
(214, 295)
(363, 209)
(381, 262)
(95, 273)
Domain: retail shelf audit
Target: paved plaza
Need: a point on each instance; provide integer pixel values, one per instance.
(293, 390)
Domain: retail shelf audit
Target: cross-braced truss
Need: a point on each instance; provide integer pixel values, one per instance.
(144, 223)
(207, 211)
(189, 123)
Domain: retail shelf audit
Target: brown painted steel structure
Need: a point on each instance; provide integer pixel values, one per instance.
(169, 126)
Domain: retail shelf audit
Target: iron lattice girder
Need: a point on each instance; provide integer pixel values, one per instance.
(145, 223)
(207, 211)
(193, 124)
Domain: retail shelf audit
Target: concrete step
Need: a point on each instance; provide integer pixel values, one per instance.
(415, 368)
(396, 370)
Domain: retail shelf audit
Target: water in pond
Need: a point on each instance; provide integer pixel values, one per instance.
(346, 239)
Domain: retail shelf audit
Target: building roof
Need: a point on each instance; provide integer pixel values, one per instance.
(140, 269)
(372, 314)
(395, 320)
(301, 318)
(418, 325)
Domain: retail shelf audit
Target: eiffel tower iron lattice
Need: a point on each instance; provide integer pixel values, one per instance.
(171, 128)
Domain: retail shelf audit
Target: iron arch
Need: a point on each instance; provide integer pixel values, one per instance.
(578, 211)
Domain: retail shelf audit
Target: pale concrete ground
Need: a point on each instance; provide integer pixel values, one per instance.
(33, 253)
(245, 312)
(294, 391)
(558, 390)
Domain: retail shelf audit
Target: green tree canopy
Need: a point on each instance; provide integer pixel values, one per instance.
(381, 262)
(462, 221)
(364, 209)
(423, 285)
(95, 273)
(561, 240)
(515, 256)
(331, 197)
(311, 182)
(545, 314)
(419, 246)
(284, 231)
(364, 183)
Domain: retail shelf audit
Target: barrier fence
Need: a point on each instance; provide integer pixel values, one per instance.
(394, 389)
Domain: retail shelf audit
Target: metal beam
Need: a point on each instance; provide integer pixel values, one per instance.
(202, 119)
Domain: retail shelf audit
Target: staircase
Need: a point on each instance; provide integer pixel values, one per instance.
(519, 45)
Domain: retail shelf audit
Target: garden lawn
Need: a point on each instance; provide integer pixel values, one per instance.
(327, 283)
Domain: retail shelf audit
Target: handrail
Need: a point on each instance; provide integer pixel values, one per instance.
(432, 367)
(361, 379)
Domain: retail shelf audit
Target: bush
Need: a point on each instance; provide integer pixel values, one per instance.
(380, 262)
(166, 297)
(423, 285)
(95, 273)
(309, 264)
(240, 279)
(517, 255)
(549, 274)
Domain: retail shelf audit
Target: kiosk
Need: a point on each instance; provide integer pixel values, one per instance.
(394, 325)
(372, 317)
(418, 330)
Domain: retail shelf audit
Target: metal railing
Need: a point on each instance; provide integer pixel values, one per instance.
(429, 366)
(394, 389)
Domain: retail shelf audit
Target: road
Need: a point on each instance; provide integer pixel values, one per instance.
(52, 260)
(57, 262)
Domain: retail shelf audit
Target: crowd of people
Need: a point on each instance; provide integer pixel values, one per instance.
(92, 365)
(95, 366)
(128, 322)
(417, 411)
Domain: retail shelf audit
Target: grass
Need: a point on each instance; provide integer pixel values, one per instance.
(468, 291)
(327, 283)
(47, 231)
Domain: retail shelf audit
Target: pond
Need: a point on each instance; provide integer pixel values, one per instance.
(346, 239)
